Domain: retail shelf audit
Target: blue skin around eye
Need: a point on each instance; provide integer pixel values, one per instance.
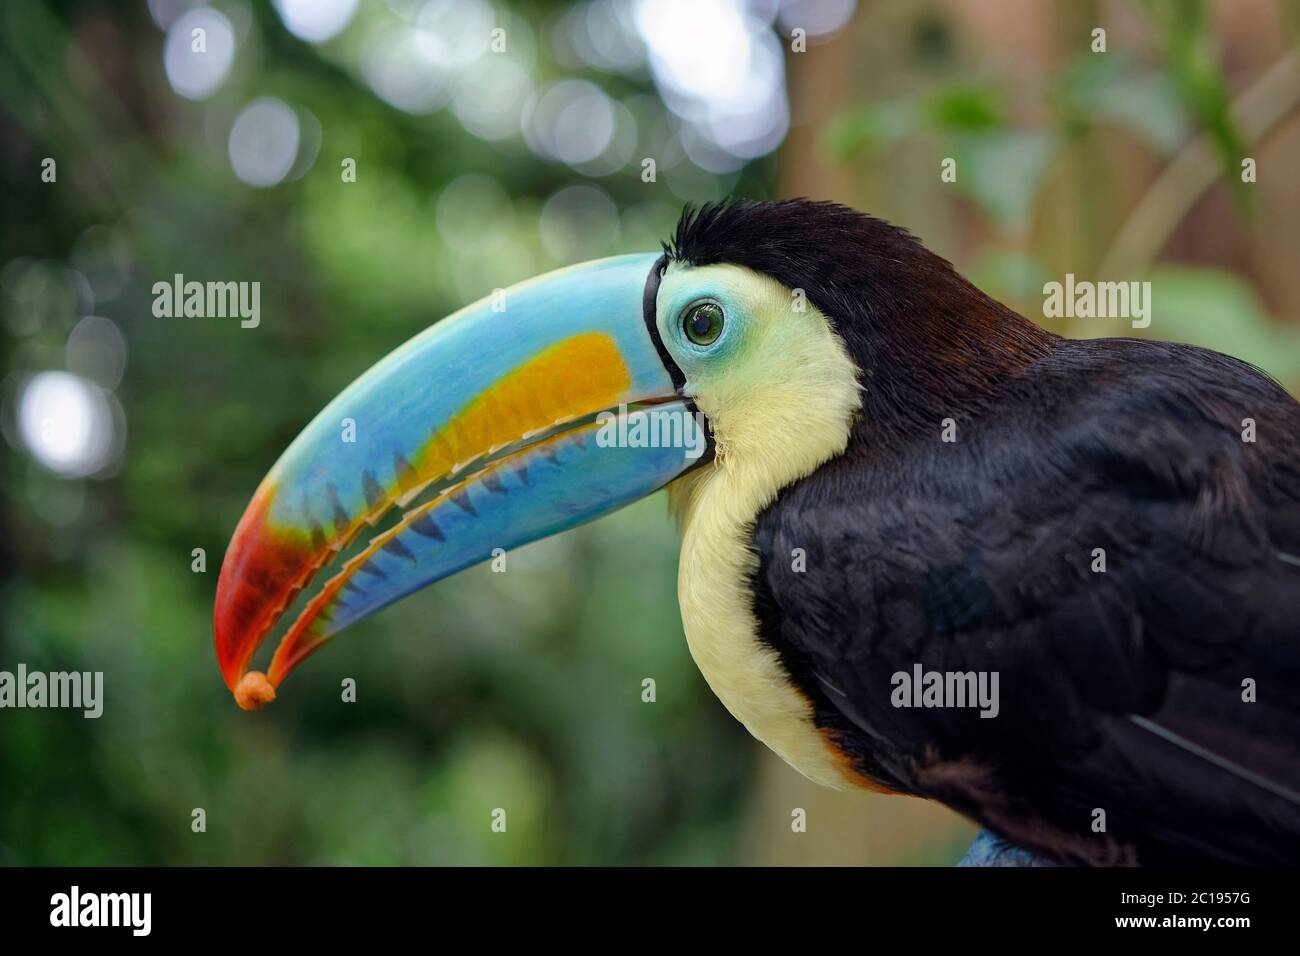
(674, 312)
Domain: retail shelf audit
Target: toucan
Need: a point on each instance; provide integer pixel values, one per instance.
(927, 547)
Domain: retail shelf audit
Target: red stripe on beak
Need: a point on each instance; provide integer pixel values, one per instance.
(264, 568)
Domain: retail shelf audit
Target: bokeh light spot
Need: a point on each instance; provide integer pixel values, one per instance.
(96, 350)
(198, 52)
(316, 21)
(264, 142)
(66, 423)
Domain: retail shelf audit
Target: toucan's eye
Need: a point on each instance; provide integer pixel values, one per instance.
(703, 323)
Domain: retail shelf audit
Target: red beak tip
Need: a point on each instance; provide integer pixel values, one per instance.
(254, 691)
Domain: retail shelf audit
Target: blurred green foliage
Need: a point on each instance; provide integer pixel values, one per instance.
(1192, 60)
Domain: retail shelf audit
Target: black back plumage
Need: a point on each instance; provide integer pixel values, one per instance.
(1120, 691)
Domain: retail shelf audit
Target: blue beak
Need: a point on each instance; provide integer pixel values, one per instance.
(523, 415)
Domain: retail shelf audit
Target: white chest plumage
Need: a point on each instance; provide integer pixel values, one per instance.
(722, 633)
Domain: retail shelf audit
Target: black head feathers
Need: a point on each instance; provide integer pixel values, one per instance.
(922, 334)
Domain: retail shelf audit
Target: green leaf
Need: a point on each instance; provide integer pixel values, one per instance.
(1116, 89)
(1002, 172)
(869, 128)
(964, 107)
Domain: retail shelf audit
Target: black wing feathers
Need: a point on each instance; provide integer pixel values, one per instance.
(982, 555)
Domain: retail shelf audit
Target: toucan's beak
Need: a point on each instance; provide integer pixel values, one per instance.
(487, 431)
